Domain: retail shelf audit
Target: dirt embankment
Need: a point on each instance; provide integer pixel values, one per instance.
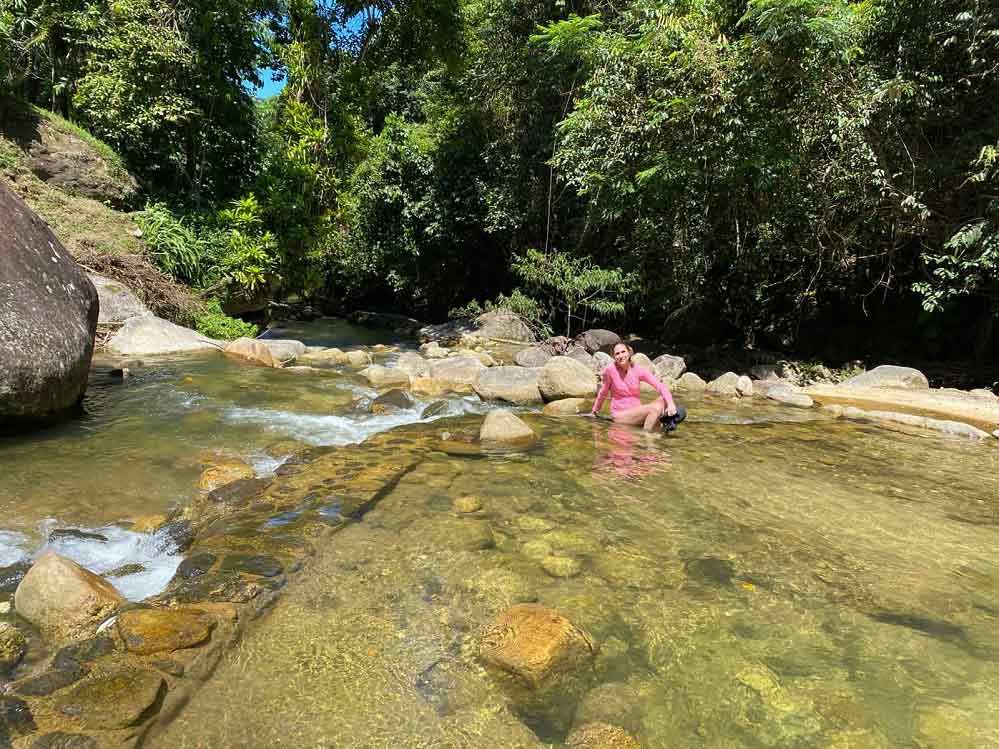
(83, 191)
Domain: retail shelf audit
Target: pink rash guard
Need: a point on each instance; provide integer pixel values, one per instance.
(625, 390)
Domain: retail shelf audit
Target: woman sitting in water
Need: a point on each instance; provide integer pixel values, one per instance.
(623, 380)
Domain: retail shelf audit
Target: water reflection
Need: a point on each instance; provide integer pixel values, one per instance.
(627, 453)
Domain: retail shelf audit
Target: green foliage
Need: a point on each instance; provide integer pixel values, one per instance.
(573, 288)
(214, 323)
(174, 247)
(533, 313)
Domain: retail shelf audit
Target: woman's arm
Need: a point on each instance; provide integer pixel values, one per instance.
(605, 384)
(645, 375)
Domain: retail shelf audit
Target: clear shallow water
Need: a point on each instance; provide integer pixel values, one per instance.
(782, 582)
(763, 577)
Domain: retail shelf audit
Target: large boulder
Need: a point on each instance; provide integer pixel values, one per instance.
(726, 385)
(511, 384)
(504, 325)
(386, 377)
(533, 356)
(285, 349)
(691, 382)
(117, 301)
(457, 372)
(782, 392)
(413, 364)
(562, 377)
(541, 660)
(358, 358)
(598, 339)
(324, 359)
(252, 350)
(602, 360)
(503, 426)
(49, 312)
(392, 400)
(583, 357)
(149, 335)
(642, 360)
(889, 376)
(669, 367)
(63, 600)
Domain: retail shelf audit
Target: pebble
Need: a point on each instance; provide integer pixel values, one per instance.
(537, 550)
(467, 504)
(557, 566)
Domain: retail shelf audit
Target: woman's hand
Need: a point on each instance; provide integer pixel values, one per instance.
(671, 409)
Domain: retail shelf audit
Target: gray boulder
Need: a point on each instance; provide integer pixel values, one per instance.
(562, 377)
(597, 339)
(726, 385)
(149, 335)
(49, 312)
(781, 392)
(284, 349)
(583, 357)
(503, 324)
(668, 367)
(392, 400)
(413, 364)
(503, 426)
(457, 372)
(535, 356)
(889, 376)
(511, 384)
(691, 382)
(117, 302)
(642, 360)
(602, 360)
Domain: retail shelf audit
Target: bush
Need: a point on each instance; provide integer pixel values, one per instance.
(174, 246)
(215, 323)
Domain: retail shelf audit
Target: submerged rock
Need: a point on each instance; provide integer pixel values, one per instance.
(225, 473)
(64, 740)
(148, 631)
(541, 660)
(561, 566)
(511, 384)
(889, 375)
(562, 377)
(62, 599)
(601, 736)
(615, 703)
(392, 400)
(13, 646)
(503, 426)
(437, 408)
(115, 698)
(50, 311)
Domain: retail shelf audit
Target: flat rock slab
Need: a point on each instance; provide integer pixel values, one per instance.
(117, 302)
(149, 335)
(113, 699)
(889, 375)
(252, 564)
(936, 403)
(148, 631)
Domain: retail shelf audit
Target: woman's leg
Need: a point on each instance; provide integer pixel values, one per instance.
(647, 415)
(656, 410)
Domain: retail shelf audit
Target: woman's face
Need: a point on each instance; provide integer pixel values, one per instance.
(621, 354)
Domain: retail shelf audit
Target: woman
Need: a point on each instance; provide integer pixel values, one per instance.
(623, 380)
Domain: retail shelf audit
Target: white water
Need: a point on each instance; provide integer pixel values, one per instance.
(12, 548)
(156, 553)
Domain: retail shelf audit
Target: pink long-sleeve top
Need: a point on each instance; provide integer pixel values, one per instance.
(625, 389)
